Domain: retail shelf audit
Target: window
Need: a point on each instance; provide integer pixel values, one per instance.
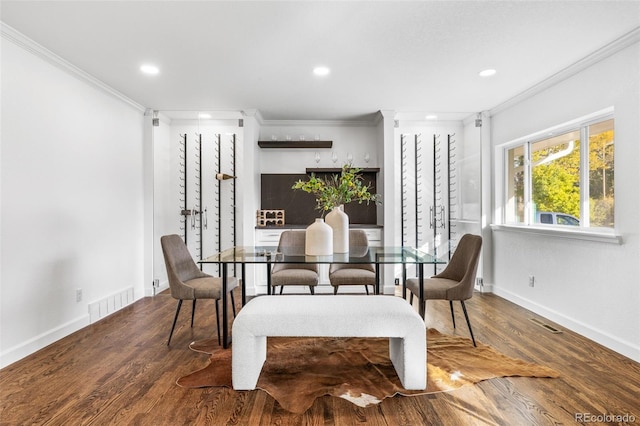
(562, 178)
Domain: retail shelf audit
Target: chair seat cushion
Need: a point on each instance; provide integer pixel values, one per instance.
(210, 287)
(352, 276)
(294, 277)
(435, 288)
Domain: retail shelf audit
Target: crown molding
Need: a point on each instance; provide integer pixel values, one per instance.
(604, 52)
(404, 124)
(319, 123)
(10, 34)
(255, 113)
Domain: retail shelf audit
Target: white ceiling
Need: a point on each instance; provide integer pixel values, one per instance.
(411, 56)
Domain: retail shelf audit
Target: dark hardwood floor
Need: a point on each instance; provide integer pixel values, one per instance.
(120, 371)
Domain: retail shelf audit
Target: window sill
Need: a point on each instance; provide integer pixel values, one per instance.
(602, 237)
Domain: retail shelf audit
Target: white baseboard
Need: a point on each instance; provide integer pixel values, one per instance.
(615, 344)
(24, 349)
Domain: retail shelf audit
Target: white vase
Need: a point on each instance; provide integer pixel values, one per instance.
(338, 220)
(318, 239)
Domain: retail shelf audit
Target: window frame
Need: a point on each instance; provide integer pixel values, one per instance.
(584, 230)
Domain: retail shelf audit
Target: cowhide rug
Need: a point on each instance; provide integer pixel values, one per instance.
(299, 370)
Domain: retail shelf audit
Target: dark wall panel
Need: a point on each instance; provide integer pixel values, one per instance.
(299, 207)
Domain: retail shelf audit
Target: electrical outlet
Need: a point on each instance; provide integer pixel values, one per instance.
(479, 282)
(78, 295)
(532, 281)
(397, 282)
(156, 283)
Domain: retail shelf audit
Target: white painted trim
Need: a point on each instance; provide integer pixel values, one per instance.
(14, 36)
(255, 114)
(36, 343)
(604, 52)
(227, 122)
(562, 232)
(429, 123)
(320, 123)
(621, 346)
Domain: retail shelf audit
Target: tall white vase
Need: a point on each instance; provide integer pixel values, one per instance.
(338, 220)
(318, 239)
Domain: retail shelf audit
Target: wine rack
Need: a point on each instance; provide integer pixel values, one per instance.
(428, 193)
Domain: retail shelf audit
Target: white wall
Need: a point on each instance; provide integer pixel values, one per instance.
(354, 139)
(72, 201)
(588, 286)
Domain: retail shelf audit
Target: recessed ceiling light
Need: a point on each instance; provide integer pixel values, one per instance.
(321, 71)
(204, 115)
(431, 117)
(149, 69)
(487, 73)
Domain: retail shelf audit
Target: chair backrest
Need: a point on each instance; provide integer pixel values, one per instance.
(463, 266)
(357, 240)
(292, 242)
(180, 266)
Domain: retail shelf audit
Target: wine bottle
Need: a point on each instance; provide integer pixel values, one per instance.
(224, 176)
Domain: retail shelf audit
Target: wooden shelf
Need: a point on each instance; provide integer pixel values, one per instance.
(295, 144)
(339, 169)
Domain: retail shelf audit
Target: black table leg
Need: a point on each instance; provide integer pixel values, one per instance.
(225, 326)
(404, 281)
(377, 290)
(421, 287)
(268, 278)
(244, 285)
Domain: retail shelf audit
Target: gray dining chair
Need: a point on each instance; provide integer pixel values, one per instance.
(293, 274)
(354, 273)
(456, 281)
(188, 282)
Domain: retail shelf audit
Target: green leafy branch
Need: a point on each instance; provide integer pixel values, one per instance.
(335, 190)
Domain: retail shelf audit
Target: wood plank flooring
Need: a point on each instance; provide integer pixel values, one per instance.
(120, 371)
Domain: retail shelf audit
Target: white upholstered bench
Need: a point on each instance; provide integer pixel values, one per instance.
(329, 316)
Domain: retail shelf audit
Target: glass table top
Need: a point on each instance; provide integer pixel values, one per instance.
(270, 254)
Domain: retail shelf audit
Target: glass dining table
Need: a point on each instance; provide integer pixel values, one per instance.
(269, 255)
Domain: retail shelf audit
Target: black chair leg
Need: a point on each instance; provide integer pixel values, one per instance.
(193, 312)
(453, 317)
(174, 321)
(464, 309)
(367, 289)
(281, 288)
(233, 304)
(312, 290)
(218, 322)
(411, 298)
(335, 289)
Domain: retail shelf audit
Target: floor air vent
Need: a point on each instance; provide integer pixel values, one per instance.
(546, 326)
